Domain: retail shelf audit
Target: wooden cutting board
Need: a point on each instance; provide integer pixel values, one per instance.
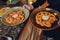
(30, 33)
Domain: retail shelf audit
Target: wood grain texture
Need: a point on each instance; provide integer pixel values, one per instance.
(30, 32)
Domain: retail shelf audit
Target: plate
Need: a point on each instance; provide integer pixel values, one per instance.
(26, 12)
(54, 25)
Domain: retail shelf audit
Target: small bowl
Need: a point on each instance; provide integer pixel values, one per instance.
(12, 1)
(54, 25)
(5, 11)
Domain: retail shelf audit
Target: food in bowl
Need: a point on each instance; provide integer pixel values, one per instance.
(45, 19)
(3, 10)
(15, 16)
